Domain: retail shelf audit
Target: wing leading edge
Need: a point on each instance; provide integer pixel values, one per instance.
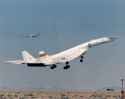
(80, 50)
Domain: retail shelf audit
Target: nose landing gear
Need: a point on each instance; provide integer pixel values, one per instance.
(81, 60)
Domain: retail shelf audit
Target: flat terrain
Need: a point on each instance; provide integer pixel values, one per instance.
(58, 95)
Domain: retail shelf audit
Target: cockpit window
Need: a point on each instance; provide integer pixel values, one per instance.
(42, 53)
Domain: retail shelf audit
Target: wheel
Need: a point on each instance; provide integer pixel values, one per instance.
(82, 57)
(66, 67)
(81, 60)
(53, 66)
(67, 63)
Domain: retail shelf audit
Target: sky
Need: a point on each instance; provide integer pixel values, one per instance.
(62, 24)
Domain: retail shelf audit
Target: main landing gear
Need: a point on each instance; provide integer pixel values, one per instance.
(67, 66)
(53, 66)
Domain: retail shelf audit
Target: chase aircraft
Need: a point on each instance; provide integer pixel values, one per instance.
(33, 35)
(44, 60)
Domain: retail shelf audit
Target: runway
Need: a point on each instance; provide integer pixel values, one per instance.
(59, 95)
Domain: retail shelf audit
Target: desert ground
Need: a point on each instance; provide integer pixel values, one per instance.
(59, 95)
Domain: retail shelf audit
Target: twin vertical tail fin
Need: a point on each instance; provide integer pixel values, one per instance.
(27, 57)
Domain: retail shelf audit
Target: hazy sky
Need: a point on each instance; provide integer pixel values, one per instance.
(62, 24)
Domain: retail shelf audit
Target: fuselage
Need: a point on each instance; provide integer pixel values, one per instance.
(67, 55)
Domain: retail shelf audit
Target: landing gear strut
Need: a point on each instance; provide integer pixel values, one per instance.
(53, 66)
(67, 66)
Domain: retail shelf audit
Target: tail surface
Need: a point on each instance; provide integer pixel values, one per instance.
(27, 57)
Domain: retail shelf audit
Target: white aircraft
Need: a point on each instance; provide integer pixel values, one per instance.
(65, 57)
(35, 35)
